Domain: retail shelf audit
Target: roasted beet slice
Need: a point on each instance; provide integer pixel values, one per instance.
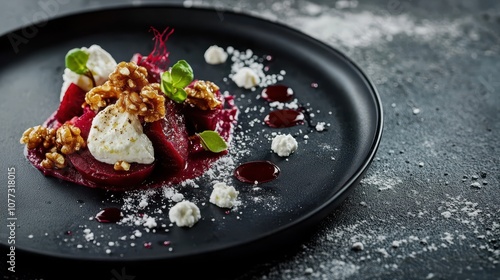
(104, 174)
(71, 104)
(198, 120)
(84, 122)
(170, 139)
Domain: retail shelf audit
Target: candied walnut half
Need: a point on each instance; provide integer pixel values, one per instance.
(203, 95)
(68, 139)
(149, 103)
(38, 135)
(121, 166)
(129, 77)
(99, 96)
(54, 160)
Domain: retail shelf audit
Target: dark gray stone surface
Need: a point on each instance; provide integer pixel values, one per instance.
(428, 207)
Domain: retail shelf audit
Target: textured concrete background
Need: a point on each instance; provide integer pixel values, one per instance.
(429, 206)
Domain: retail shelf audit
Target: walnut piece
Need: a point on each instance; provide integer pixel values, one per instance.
(121, 166)
(202, 95)
(56, 142)
(149, 103)
(68, 139)
(52, 160)
(98, 97)
(128, 84)
(38, 135)
(129, 77)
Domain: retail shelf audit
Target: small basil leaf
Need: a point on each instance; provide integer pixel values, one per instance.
(182, 74)
(167, 88)
(76, 61)
(212, 141)
(179, 95)
(166, 77)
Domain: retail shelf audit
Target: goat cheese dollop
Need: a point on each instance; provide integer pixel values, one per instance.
(100, 63)
(184, 214)
(284, 145)
(224, 196)
(215, 55)
(246, 77)
(118, 136)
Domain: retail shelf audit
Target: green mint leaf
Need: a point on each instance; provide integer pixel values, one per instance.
(212, 141)
(76, 61)
(182, 74)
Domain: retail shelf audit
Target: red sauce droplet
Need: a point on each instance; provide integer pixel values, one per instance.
(166, 243)
(257, 172)
(109, 215)
(280, 93)
(284, 118)
(148, 245)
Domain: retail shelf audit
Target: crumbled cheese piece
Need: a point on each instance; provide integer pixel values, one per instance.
(150, 222)
(246, 78)
(215, 55)
(224, 196)
(284, 145)
(184, 214)
(177, 197)
(118, 136)
(100, 63)
(320, 126)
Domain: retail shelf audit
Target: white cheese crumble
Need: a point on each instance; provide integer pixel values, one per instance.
(118, 136)
(215, 55)
(224, 196)
(284, 145)
(184, 214)
(150, 222)
(100, 63)
(320, 126)
(246, 78)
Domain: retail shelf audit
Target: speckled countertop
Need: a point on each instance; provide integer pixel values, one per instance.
(429, 205)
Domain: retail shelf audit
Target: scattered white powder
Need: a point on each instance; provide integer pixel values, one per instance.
(224, 196)
(249, 69)
(184, 214)
(178, 197)
(383, 182)
(284, 145)
(383, 251)
(446, 214)
(475, 185)
(358, 246)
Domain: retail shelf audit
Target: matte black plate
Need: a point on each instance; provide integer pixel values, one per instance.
(313, 180)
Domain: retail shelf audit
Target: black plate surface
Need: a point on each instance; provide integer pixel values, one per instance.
(313, 180)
